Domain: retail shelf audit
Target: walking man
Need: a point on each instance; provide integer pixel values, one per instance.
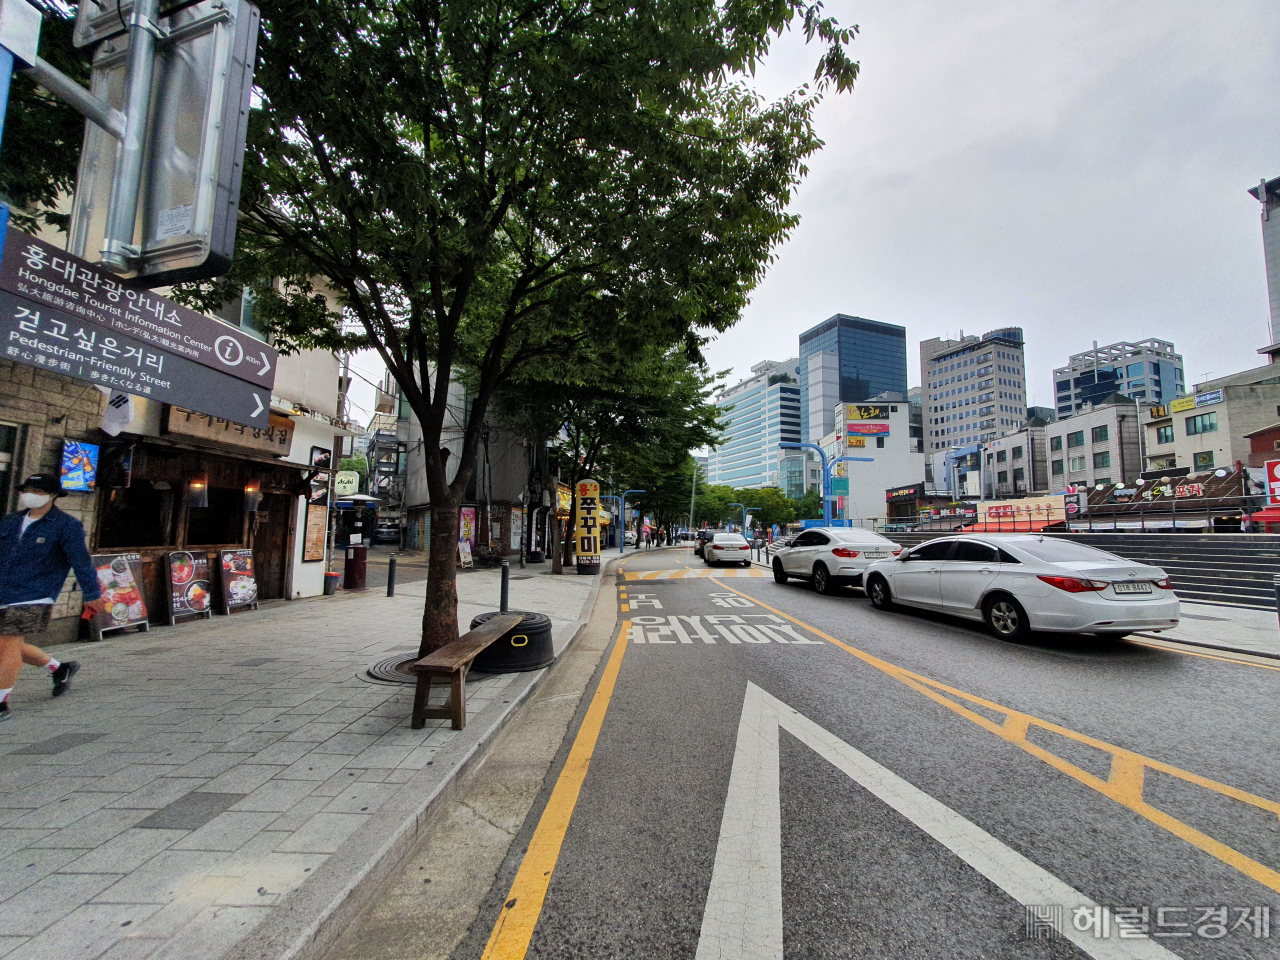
(38, 545)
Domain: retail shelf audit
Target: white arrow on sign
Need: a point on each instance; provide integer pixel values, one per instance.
(266, 365)
(743, 915)
(258, 401)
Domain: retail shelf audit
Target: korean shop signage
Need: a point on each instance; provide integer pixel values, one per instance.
(49, 276)
(857, 412)
(859, 429)
(49, 339)
(276, 438)
(587, 528)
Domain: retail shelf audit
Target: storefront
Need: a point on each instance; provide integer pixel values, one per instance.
(904, 503)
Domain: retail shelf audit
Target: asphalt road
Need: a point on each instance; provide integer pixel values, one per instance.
(775, 773)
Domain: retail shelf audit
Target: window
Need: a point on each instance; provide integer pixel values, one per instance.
(1102, 459)
(1000, 456)
(138, 515)
(1103, 480)
(1017, 453)
(1203, 423)
(967, 551)
(880, 442)
(1055, 443)
(1019, 475)
(1099, 434)
(1134, 370)
(1204, 461)
(1075, 439)
(1056, 467)
(1137, 384)
(1057, 551)
(811, 538)
(1007, 557)
(1077, 464)
(1002, 476)
(220, 522)
(1164, 434)
(936, 550)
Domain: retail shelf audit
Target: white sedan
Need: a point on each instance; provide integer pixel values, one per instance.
(1017, 584)
(831, 557)
(727, 548)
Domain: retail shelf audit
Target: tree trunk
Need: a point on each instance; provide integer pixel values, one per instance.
(440, 614)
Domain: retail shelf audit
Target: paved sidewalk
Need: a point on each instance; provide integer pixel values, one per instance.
(199, 780)
(1227, 628)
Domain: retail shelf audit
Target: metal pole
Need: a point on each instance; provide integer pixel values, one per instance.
(117, 244)
(6, 72)
(68, 91)
(506, 578)
(391, 576)
(693, 494)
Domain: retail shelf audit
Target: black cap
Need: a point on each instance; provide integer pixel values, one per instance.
(45, 483)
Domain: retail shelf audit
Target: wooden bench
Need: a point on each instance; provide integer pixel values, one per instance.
(453, 660)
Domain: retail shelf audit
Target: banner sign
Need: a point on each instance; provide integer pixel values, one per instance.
(912, 492)
(857, 442)
(517, 527)
(346, 483)
(190, 589)
(564, 497)
(120, 578)
(467, 526)
(1273, 483)
(586, 529)
(840, 485)
(239, 586)
(79, 471)
(59, 342)
(1181, 404)
(862, 412)
(858, 429)
(314, 535)
(51, 277)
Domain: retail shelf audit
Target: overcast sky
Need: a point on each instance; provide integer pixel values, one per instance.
(1074, 168)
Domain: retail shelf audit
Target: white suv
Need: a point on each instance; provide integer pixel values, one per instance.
(832, 557)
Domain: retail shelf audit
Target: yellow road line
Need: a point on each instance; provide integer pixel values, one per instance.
(514, 929)
(1167, 645)
(1125, 781)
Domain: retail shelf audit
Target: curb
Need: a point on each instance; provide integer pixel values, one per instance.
(1209, 646)
(308, 923)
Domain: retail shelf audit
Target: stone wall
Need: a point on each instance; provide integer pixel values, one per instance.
(49, 408)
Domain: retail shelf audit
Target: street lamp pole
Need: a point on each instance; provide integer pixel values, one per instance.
(826, 479)
(693, 495)
(622, 538)
(744, 515)
(832, 464)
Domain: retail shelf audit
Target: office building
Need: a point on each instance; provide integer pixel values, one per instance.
(1047, 414)
(1097, 445)
(974, 388)
(880, 433)
(1267, 192)
(1017, 465)
(847, 360)
(1146, 370)
(763, 412)
(1213, 426)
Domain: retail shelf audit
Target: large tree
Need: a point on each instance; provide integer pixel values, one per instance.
(492, 185)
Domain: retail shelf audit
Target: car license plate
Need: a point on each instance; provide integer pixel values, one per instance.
(875, 554)
(1131, 587)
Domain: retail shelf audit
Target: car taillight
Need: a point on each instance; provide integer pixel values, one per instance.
(745, 546)
(1165, 584)
(1074, 584)
(898, 551)
(845, 552)
(716, 546)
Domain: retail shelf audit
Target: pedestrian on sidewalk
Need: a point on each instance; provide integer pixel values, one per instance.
(38, 546)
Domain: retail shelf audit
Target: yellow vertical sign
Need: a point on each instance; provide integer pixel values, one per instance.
(586, 528)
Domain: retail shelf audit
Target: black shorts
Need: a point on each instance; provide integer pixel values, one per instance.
(26, 620)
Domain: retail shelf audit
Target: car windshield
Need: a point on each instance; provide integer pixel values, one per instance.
(1061, 551)
(729, 538)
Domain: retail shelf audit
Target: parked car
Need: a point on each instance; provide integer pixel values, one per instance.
(700, 541)
(630, 538)
(727, 548)
(831, 557)
(1018, 584)
(387, 532)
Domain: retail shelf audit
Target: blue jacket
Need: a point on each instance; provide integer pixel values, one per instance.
(35, 566)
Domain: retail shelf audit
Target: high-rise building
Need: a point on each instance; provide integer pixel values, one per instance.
(763, 411)
(1267, 193)
(974, 388)
(1146, 370)
(847, 360)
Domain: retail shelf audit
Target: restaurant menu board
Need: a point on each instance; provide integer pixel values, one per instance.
(120, 579)
(190, 589)
(79, 470)
(239, 586)
(314, 535)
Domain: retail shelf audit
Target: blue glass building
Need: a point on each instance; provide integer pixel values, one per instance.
(863, 358)
(762, 413)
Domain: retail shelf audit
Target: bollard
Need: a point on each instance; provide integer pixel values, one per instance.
(391, 576)
(506, 577)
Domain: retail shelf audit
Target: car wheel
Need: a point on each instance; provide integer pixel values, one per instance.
(878, 591)
(746, 563)
(779, 575)
(1006, 618)
(822, 582)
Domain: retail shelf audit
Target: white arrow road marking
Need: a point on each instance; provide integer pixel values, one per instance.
(743, 916)
(257, 400)
(266, 364)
